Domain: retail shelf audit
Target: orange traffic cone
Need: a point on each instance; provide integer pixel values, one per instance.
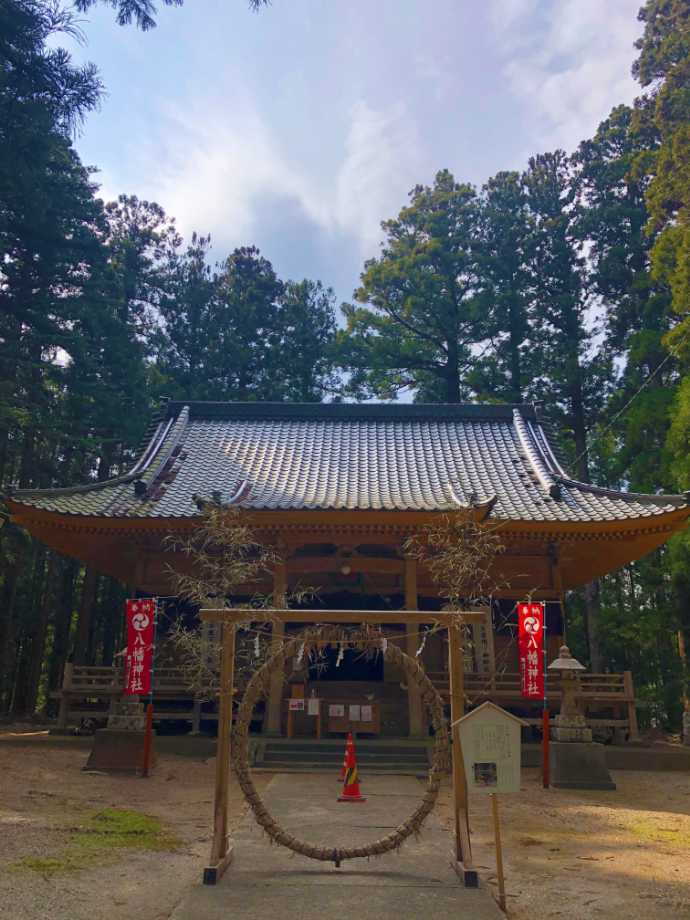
(348, 744)
(351, 791)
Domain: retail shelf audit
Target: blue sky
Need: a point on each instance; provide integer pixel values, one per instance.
(300, 128)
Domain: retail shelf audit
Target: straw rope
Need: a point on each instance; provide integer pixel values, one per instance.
(258, 688)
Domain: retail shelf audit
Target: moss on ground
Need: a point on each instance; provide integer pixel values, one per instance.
(99, 837)
(653, 830)
(115, 828)
(49, 865)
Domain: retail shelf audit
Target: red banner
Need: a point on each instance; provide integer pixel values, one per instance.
(531, 649)
(140, 635)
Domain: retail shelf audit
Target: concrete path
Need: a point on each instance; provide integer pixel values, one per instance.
(268, 882)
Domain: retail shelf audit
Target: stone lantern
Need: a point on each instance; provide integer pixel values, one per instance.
(570, 724)
(577, 762)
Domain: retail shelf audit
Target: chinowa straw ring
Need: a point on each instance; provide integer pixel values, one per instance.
(258, 688)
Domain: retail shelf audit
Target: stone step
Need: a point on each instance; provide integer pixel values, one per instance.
(339, 747)
(382, 763)
(339, 751)
(296, 766)
(318, 756)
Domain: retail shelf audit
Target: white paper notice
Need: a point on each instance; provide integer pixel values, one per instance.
(492, 742)
(354, 714)
(367, 715)
(337, 710)
(312, 706)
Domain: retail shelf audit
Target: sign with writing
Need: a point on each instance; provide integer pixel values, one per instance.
(337, 710)
(296, 705)
(366, 713)
(531, 650)
(490, 741)
(313, 706)
(140, 616)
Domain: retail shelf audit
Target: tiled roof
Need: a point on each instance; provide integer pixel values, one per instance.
(350, 456)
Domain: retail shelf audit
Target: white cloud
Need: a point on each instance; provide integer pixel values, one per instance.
(567, 61)
(218, 160)
(210, 163)
(382, 162)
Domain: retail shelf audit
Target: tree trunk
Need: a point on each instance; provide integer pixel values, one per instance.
(26, 646)
(39, 638)
(515, 341)
(592, 612)
(452, 375)
(88, 594)
(110, 617)
(61, 626)
(8, 597)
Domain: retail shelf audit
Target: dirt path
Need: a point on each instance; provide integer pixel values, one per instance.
(622, 855)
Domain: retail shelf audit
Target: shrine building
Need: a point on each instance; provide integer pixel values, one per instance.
(339, 488)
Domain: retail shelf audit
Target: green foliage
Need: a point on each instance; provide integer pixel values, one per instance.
(422, 316)
(142, 12)
(102, 312)
(566, 375)
(567, 283)
(507, 238)
(239, 332)
(663, 69)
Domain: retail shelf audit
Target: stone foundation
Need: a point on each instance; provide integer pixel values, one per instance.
(571, 729)
(120, 746)
(579, 765)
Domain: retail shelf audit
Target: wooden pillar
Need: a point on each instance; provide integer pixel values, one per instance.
(414, 697)
(463, 848)
(275, 695)
(221, 852)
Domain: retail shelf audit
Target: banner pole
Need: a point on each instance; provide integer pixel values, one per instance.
(545, 715)
(148, 733)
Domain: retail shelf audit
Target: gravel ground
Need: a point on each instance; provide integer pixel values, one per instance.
(45, 795)
(622, 855)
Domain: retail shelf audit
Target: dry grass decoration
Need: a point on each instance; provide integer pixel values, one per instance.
(461, 555)
(225, 555)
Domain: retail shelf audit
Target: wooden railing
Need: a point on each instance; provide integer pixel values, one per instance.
(607, 699)
(86, 693)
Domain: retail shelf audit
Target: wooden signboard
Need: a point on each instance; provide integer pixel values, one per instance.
(490, 739)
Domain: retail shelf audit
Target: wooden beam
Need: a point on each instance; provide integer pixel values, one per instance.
(381, 617)
(414, 696)
(221, 853)
(463, 847)
(358, 565)
(273, 724)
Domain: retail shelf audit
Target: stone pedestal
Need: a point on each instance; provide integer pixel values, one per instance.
(127, 715)
(120, 746)
(579, 765)
(118, 751)
(571, 728)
